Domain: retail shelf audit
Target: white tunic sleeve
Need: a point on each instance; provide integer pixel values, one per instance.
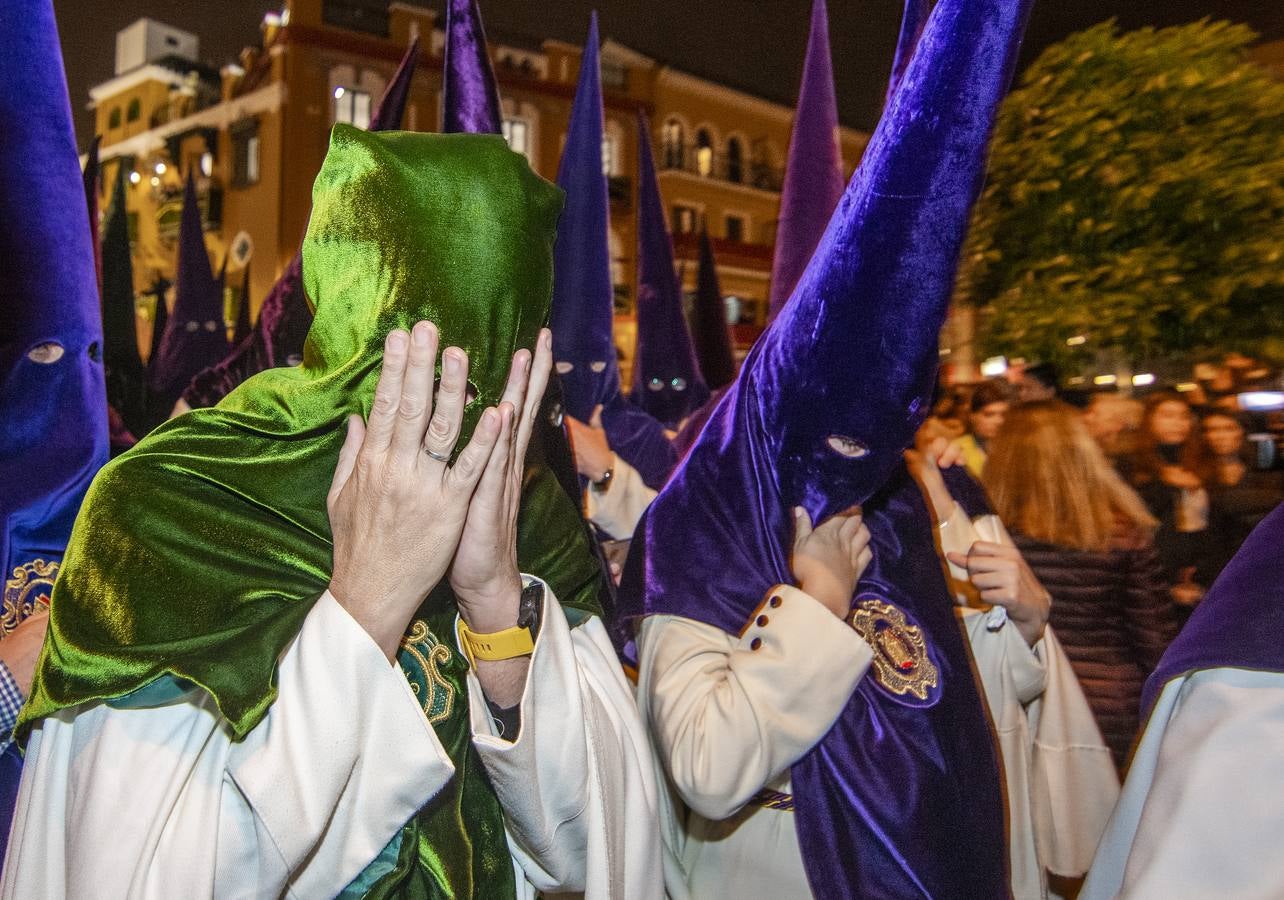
(729, 714)
(578, 785)
(160, 802)
(1200, 814)
(618, 509)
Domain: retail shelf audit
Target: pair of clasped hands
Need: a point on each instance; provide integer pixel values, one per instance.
(403, 517)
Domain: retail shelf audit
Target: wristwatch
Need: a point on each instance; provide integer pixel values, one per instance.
(604, 482)
(511, 642)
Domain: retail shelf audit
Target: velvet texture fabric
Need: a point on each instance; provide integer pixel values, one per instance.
(126, 375)
(195, 335)
(902, 796)
(53, 409)
(709, 331)
(666, 379)
(470, 95)
(242, 329)
(92, 179)
(583, 295)
(285, 314)
(912, 22)
(160, 320)
(199, 553)
(1239, 622)
(813, 169)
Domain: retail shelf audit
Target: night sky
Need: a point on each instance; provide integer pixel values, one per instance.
(756, 45)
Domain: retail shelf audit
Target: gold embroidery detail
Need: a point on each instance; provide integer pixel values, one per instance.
(901, 663)
(441, 693)
(31, 584)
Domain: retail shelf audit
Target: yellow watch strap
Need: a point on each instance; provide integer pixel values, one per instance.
(507, 644)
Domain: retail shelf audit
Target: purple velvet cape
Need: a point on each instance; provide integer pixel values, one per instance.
(1240, 622)
(902, 797)
(666, 379)
(53, 436)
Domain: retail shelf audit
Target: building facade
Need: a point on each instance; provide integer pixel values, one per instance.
(253, 136)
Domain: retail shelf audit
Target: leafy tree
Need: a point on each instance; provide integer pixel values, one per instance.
(1136, 197)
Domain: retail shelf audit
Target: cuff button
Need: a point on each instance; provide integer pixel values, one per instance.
(774, 602)
(755, 643)
(762, 621)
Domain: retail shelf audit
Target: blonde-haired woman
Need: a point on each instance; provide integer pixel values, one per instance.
(1088, 538)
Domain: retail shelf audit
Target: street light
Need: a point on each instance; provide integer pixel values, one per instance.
(1104, 379)
(1077, 341)
(1143, 379)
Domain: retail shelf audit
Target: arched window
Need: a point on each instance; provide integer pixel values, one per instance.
(134, 111)
(113, 118)
(704, 153)
(674, 145)
(735, 161)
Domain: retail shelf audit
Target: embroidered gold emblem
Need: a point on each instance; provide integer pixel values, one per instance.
(901, 664)
(30, 585)
(428, 654)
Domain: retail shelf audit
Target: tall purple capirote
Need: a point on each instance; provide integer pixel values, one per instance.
(470, 95)
(243, 327)
(666, 380)
(195, 335)
(285, 316)
(709, 329)
(53, 436)
(126, 375)
(583, 296)
(912, 23)
(819, 417)
(93, 181)
(814, 170)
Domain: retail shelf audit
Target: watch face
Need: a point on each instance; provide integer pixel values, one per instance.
(529, 608)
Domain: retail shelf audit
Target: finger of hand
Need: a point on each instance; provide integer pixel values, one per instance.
(595, 420)
(959, 559)
(415, 405)
(452, 397)
(383, 413)
(999, 596)
(863, 559)
(991, 549)
(475, 457)
(492, 487)
(996, 580)
(347, 456)
(537, 383)
(802, 526)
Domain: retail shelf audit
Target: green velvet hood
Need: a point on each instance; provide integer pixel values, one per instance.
(198, 554)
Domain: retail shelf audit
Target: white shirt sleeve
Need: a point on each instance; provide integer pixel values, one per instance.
(1200, 814)
(730, 714)
(618, 509)
(160, 802)
(578, 786)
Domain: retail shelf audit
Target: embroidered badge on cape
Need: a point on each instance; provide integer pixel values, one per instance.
(30, 584)
(421, 656)
(901, 663)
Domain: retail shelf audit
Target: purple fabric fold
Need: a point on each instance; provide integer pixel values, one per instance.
(813, 169)
(912, 22)
(902, 797)
(666, 378)
(1240, 622)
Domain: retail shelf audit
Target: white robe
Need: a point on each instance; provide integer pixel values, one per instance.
(160, 802)
(1201, 813)
(729, 720)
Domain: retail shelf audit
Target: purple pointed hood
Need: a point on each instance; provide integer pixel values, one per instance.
(814, 170)
(52, 398)
(912, 22)
(583, 294)
(819, 416)
(126, 375)
(709, 329)
(93, 181)
(243, 326)
(470, 95)
(195, 336)
(392, 105)
(666, 380)
(285, 315)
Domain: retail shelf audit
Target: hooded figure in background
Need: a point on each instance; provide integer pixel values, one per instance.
(584, 300)
(891, 780)
(52, 396)
(285, 316)
(195, 601)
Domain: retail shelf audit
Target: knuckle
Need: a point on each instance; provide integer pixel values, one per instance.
(410, 408)
(439, 426)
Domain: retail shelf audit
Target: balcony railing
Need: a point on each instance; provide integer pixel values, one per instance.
(721, 167)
